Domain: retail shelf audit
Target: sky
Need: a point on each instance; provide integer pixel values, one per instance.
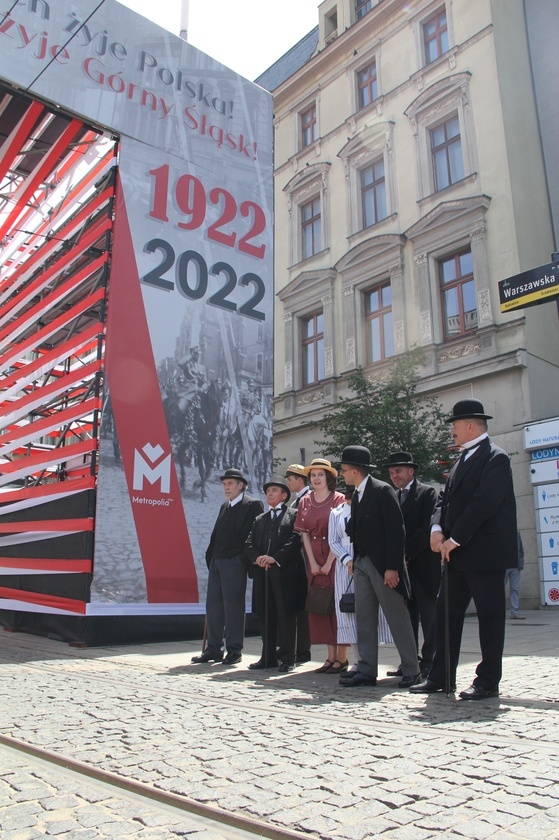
(245, 35)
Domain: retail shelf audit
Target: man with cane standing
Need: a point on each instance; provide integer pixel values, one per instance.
(474, 530)
(272, 554)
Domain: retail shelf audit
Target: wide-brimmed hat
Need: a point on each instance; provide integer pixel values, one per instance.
(466, 409)
(401, 459)
(321, 464)
(232, 473)
(277, 481)
(296, 469)
(357, 456)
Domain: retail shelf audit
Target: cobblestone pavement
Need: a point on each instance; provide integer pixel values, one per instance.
(295, 750)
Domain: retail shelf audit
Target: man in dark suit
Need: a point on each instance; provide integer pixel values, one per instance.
(298, 483)
(376, 529)
(273, 552)
(417, 501)
(227, 579)
(474, 530)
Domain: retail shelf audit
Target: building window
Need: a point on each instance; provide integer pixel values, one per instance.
(446, 154)
(367, 89)
(313, 348)
(373, 193)
(308, 126)
(310, 228)
(458, 295)
(435, 36)
(362, 7)
(380, 327)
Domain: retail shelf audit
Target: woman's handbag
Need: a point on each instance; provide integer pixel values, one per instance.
(347, 601)
(320, 599)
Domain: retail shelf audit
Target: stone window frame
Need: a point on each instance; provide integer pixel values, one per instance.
(309, 293)
(448, 228)
(435, 105)
(301, 146)
(423, 16)
(378, 315)
(313, 342)
(368, 146)
(354, 65)
(362, 8)
(427, 20)
(304, 187)
(374, 262)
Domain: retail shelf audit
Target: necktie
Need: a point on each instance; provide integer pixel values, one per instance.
(403, 495)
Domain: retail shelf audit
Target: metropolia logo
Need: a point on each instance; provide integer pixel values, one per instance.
(152, 468)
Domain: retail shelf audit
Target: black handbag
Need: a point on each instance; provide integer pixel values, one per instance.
(347, 601)
(320, 599)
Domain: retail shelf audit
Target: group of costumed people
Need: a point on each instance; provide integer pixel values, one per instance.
(314, 543)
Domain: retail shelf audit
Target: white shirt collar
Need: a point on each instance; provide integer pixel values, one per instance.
(361, 487)
(236, 501)
(468, 449)
(302, 492)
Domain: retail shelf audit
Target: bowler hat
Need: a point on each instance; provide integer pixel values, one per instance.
(466, 409)
(321, 464)
(357, 456)
(401, 459)
(296, 469)
(277, 481)
(232, 473)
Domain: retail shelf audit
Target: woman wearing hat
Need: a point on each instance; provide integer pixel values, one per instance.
(312, 523)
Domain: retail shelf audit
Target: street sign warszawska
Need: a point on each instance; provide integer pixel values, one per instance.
(530, 288)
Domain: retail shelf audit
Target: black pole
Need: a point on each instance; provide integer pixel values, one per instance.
(446, 630)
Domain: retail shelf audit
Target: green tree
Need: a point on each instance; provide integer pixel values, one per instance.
(388, 416)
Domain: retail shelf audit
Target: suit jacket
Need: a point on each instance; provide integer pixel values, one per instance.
(376, 529)
(417, 511)
(295, 503)
(285, 548)
(477, 509)
(250, 508)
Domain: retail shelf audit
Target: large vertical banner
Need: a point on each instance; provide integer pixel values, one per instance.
(187, 377)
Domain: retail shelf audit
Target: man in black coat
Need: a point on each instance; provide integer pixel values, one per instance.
(417, 502)
(227, 578)
(376, 529)
(474, 530)
(273, 552)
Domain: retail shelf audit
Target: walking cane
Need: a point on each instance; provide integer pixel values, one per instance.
(204, 634)
(266, 590)
(446, 629)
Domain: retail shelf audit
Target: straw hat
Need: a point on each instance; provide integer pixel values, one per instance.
(321, 464)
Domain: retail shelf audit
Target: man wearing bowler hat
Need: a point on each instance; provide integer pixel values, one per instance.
(227, 578)
(273, 555)
(376, 529)
(417, 501)
(474, 530)
(298, 483)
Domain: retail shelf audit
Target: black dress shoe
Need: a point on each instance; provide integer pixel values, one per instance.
(355, 679)
(261, 665)
(286, 667)
(397, 673)
(207, 656)
(428, 687)
(407, 682)
(476, 692)
(232, 659)
(303, 657)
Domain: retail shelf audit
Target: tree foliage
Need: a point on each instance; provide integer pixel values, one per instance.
(388, 416)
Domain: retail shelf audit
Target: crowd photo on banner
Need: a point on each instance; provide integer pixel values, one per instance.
(346, 561)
